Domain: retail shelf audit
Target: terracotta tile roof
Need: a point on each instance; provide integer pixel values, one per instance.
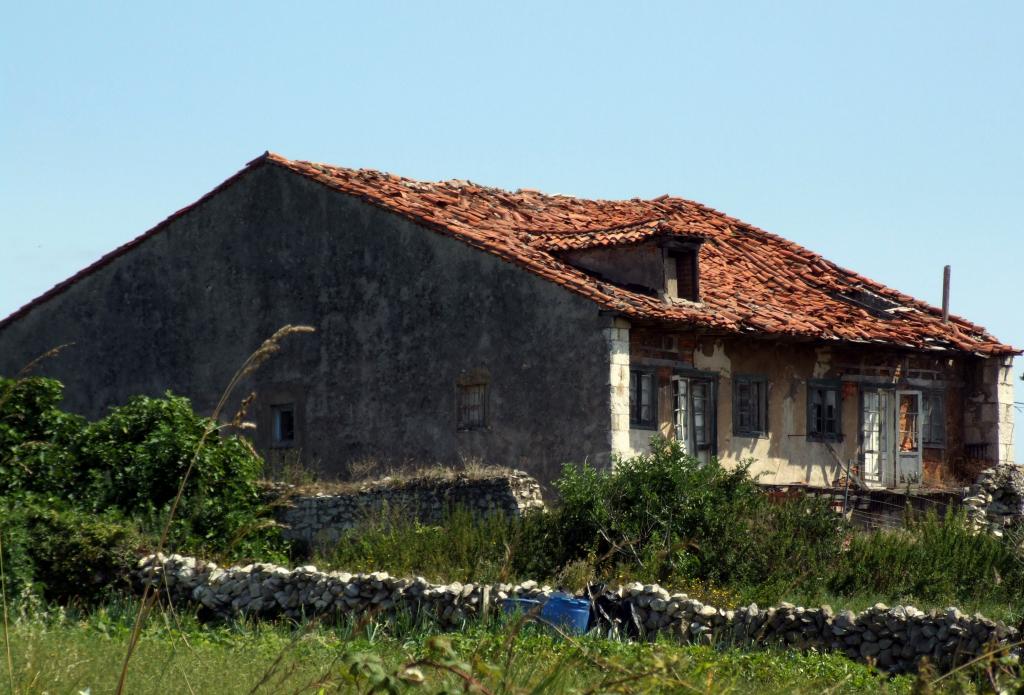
(752, 281)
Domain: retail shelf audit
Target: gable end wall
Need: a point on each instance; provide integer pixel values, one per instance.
(402, 313)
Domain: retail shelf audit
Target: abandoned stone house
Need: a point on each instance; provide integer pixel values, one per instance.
(456, 321)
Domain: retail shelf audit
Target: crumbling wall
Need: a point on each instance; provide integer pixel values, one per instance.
(316, 519)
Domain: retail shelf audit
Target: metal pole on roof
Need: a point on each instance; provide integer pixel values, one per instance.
(945, 294)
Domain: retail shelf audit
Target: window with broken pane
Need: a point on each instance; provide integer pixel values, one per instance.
(472, 406)
(694, 414)
(908, 420)
(824, 401)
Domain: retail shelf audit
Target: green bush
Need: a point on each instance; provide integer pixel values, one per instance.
(64, 553)
(661, 517)
(38, 440)
(136, 457)
(666, 516)
(131, 463)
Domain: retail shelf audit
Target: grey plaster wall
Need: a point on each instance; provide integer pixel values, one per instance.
(401, 313)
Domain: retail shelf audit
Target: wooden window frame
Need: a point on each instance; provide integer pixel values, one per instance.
(462, 407)
(710, 379)
(760, 428)
(635, 421)
(824, 385)
(928, 398)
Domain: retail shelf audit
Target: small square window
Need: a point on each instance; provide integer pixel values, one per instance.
(749, 406)
(284, 424)
(643, 402)
(824, 408)
(472, 406)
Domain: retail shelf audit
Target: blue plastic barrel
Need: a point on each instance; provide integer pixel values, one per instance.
(567, 612)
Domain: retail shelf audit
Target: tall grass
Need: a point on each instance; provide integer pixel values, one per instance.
(464, 547)
(3, 607)
(933, 559)
(69, 652)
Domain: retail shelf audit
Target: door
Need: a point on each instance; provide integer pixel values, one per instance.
(694, 416)
(875, 437)
(908, 438)
(891, 437)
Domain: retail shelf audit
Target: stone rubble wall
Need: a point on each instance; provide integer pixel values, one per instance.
(995, 503)
(322, 518)
(895, 639)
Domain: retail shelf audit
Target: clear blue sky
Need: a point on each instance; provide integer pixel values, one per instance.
(887, 136)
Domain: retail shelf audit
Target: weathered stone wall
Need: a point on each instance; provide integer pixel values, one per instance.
(896, 639)
(995, 503)
(321, 518)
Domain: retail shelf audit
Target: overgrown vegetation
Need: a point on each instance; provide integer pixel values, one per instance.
(78, 499)
(703, 529)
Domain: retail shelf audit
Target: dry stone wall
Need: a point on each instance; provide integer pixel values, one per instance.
(995, 503)
(321, 518)
(895, 639)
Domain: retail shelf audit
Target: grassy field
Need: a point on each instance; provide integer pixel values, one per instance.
(59, 653)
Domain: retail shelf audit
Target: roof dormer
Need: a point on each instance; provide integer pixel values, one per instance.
(681, 268)
(666, 266)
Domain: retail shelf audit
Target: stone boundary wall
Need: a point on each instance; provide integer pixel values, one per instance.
(321, 518)
(895, 639)
(995, 503)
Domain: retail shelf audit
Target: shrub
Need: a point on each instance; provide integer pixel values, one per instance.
(137, 455)
(131, 462)
(37, 440)
(62, 552)
(667, 516)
